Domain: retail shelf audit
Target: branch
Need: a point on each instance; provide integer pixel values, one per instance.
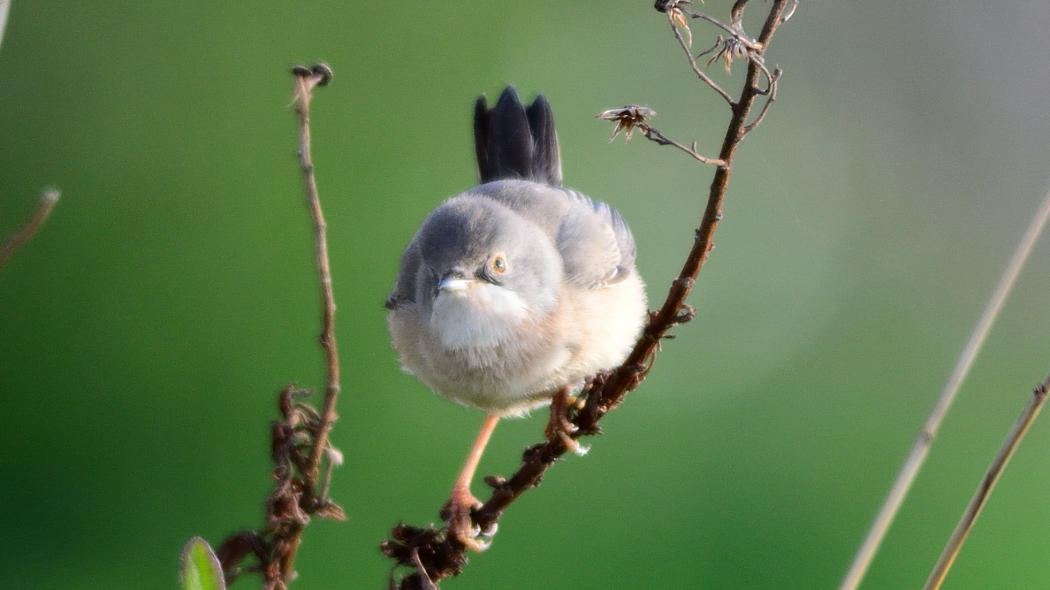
(305, 80)
(676, 22)
(47, 202)
(984, 490)
(634, 116)
(5, 5)
(910, 470)
(427, 550)
(299, 441)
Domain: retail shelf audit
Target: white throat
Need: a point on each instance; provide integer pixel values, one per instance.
(482, 315)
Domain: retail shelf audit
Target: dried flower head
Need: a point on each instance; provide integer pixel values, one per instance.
(728, 49)
(627, 118)
(677, 15)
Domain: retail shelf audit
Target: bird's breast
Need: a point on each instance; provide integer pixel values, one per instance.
(482, 316)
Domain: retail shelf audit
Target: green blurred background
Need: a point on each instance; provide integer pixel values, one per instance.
(145, 331)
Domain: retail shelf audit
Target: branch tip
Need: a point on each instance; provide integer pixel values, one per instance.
(48, 198)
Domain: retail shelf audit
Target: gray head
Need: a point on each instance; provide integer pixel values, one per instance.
(478, 248)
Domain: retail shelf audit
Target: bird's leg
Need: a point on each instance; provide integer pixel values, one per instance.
(462, 501)
(559, 424)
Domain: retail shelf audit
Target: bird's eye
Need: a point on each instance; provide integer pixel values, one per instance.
(498, 264)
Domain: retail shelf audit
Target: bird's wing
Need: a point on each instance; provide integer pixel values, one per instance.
(596, 245)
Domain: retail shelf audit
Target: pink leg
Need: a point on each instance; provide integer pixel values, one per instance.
(559, 424)
(459, 521)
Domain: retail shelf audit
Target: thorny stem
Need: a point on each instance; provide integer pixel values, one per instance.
(984, 490)
(910, 470)
(30, 227)
(435, 557)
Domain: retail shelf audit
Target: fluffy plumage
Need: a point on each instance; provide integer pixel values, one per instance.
(518, 287)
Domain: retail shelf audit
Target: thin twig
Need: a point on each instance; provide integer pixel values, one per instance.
(984, 490)
(306, 80)
(5, 6)
(910, 470)
(771, 91)
(47, 202)
(696, 69)
(713, 21)
(653, 134)
(299, 441)
(318, 75)
(443, 556)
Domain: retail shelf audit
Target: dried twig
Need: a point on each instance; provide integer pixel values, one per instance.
(5, 6)
(910, 470)
(441, 557)
(299, 441)
(47, 202)
(318, 75)
(692, 61)
(633, 116)
(984, 490)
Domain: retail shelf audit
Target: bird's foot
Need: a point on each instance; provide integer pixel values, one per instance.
(460, 524)
(559, 424)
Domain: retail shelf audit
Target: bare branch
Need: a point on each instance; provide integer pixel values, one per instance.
(910, 470)
(653, 134)
(984, 490)
(318, 75)
(434, 556)
(47, 202)
(633, 116)
(5, 6)
(771, 96)
(692, 63)
(299, 441)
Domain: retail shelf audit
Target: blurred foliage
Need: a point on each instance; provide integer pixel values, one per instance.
(200, 567)
(146, 331)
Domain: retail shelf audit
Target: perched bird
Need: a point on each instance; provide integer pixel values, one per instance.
(515, 291)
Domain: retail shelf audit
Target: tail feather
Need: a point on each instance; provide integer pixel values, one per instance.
(512, 141)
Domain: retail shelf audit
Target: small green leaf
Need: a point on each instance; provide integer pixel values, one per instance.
(200, 567)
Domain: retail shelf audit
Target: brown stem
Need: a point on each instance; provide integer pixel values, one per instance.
(30, 227)
(984, 490)
(299, 441)
(653, 134)
(436, 556)
(692, 63)
(305, 82)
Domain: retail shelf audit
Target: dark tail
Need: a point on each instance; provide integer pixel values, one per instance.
(512, 141)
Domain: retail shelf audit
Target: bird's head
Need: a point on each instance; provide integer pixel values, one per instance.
(485, 271)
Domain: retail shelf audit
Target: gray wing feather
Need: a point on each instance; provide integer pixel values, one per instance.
(595, 244)
(597, 247)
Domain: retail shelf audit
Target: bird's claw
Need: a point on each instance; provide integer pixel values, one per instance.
(560, 426)
(461, 524)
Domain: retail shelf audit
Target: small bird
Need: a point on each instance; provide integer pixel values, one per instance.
(514, 292)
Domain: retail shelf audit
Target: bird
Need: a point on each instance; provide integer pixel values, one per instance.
(512, 293)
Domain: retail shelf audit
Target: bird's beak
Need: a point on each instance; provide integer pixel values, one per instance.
(454, 284)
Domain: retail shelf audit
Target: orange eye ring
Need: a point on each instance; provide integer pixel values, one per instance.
(498, 264)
